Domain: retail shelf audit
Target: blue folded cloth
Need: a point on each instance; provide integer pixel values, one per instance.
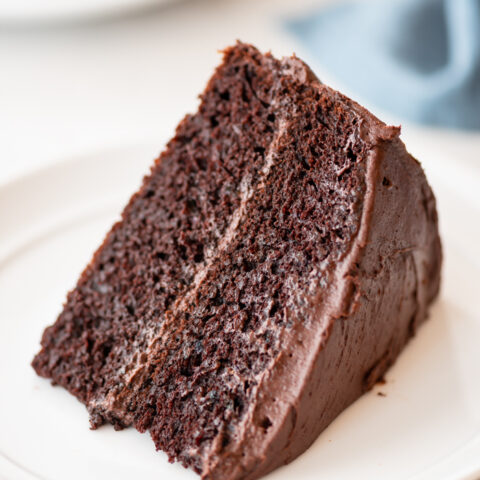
(419, 59)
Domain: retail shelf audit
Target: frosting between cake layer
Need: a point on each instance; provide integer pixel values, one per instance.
(115, 403)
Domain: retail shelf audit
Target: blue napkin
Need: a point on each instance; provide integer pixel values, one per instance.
(419, 59)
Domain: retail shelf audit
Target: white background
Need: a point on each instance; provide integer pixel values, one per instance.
(71, 87)
(76, 85)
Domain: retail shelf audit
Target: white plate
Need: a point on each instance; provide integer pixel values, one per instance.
(425, 427)
(29, 11)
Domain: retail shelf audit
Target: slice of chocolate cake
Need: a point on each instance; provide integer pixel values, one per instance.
(273, 264)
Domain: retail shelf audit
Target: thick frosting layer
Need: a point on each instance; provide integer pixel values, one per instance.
(378, 295)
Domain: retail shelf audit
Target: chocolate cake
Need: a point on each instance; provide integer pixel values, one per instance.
(273, 264)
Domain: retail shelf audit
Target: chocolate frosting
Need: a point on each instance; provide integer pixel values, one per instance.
(378, 295)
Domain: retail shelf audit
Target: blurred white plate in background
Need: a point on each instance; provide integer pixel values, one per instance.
(33, 11)
(425, 427)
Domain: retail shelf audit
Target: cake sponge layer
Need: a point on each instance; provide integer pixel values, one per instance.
(280, 253)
